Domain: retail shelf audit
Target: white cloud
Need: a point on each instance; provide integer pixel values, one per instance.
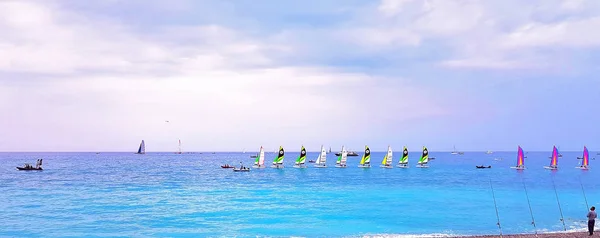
(92, 83)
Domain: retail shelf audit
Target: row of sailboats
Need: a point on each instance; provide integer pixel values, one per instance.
(321, 160)
(585, 160)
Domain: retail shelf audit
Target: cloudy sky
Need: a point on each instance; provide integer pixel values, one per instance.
(228, 75)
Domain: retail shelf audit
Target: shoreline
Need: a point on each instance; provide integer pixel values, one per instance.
(574, 234)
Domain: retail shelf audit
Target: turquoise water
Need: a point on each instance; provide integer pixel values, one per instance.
(165, 194)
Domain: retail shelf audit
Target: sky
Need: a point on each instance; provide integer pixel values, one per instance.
(232, 75)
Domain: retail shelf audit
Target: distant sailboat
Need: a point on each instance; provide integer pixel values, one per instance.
(585, 160)
(278, 161)
(329, 150)
(554, 160)
(424, 159)
(403, 163)
(520, 160)
(142, 149)
(341, 161)
(260, 159)
(455, 152)
(179, 148)
(489, 152)
(301, 159)
(320, 163)
(387, 159)
(365, 162)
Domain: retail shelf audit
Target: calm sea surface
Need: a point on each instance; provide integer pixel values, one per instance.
(165, 194)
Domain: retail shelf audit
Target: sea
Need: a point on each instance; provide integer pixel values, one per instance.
(190, 195)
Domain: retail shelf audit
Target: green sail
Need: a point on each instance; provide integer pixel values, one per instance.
(279, 158)
(404, 159)
(302, 158)
(425, 156)
(366, 159)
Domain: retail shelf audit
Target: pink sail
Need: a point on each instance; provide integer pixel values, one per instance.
(520, 157)
(554, 161)
(586, 157)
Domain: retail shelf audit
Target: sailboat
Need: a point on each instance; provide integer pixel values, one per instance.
(329, 150)
(387, 159)
(365, 162)
(585, 160)
(320, 163)
(259, 163)
(142, 149)
(278, 161)
(520, 160)
(455, 152)
(301, 159)
(403, 163)
(424, 159)
(554, 160)
(179, 150)
(341, 161)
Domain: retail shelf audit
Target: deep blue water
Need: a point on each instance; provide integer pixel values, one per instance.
(165, 194)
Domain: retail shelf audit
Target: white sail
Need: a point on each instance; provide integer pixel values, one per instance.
(389, 156)
(261, 159)
(344, 156)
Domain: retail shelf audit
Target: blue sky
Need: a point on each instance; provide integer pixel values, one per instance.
(229, 75)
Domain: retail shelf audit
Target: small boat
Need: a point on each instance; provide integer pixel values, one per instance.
(227, 166)
(260, 159)
(520, 160)
(455, 152)
(28, 167)
(142, 148)
(483, 167)
(403, 163)
(311, 161)
(585, 160)
(349, 153)
(320, 163)
(278, 161)
(241, 169)
(489, 152)
(554, 160)
(342, 158)
(424, 159)
(300, 162)
(387, 159)
(365, 162)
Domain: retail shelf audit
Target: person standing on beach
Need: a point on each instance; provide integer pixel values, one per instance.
(591, 220)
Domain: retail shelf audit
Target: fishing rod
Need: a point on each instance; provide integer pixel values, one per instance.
(496, 206)
(529, 204)
(559, 208)
(584, 197)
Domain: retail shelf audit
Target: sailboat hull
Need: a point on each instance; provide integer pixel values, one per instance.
(550, 167)
(386, 166)
(582, 167)
(422, 166)
(258, 166)
(300, 166)
(277, 166)
(404, 166)
(518, 168)
(320, 166)
(364, 166)
(340, 166)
